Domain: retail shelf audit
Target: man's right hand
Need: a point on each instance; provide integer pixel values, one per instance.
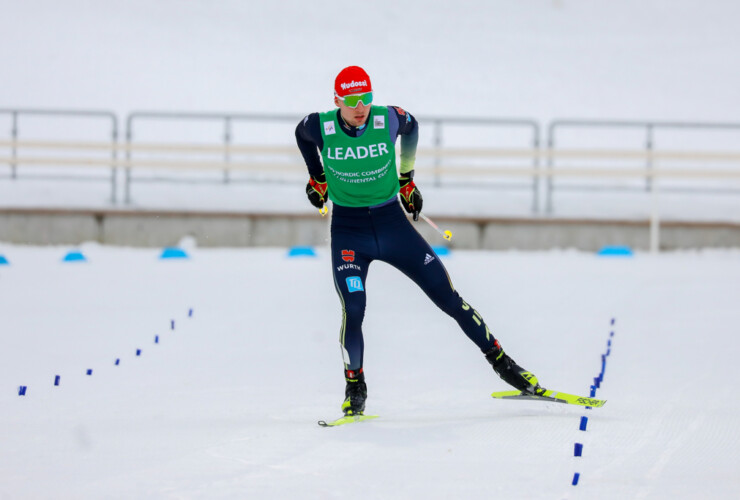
(317, 191)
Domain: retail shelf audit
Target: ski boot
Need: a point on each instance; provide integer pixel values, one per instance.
(355, 393)
(512, 373)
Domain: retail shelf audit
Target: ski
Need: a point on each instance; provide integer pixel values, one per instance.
(347, 419)
(553, 396)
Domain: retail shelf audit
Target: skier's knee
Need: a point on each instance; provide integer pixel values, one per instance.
(355, 309)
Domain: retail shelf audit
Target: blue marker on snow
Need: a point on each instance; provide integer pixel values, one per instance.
(441, 251)
(301, 251)
(593, 392)
(173, 253)
(74, 256)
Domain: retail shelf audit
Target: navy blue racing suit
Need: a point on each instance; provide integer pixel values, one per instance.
(360, 235)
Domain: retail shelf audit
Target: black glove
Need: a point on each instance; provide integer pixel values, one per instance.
(317, 191)
(410, 196)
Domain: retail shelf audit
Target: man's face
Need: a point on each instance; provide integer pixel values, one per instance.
(353, 116)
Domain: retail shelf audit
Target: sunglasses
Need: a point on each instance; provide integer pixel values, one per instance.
(353, 100)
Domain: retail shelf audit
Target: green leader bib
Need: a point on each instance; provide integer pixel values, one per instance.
(360, 171)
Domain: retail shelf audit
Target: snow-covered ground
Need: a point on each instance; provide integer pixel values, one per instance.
(226, 404)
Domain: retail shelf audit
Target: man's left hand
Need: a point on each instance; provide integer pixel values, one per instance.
(410, 196)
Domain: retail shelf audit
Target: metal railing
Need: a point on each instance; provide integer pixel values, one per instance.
(443, 157)
(228, 119)
(447, 162)
(14, 143)
(438, 153)
(226, 149)
(649, 154)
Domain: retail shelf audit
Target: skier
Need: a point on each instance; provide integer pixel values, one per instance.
(357, 171)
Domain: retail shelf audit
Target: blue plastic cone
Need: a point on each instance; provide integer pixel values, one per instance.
(441, 251)
(74, 256)
(301, 252)
(615, 251)
(173, 253)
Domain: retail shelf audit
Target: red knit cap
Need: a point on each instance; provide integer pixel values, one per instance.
(352, 80)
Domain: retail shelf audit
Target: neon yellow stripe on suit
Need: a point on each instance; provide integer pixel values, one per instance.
(343, 330)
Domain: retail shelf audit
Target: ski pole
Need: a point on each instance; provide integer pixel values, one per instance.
(445, 234)
(323, 210)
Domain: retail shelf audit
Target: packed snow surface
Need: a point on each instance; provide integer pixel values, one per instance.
(225, 405)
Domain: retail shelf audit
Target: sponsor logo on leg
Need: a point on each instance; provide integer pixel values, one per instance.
(347, 267)
(354, 284)
(428, 259)
(348, 256)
